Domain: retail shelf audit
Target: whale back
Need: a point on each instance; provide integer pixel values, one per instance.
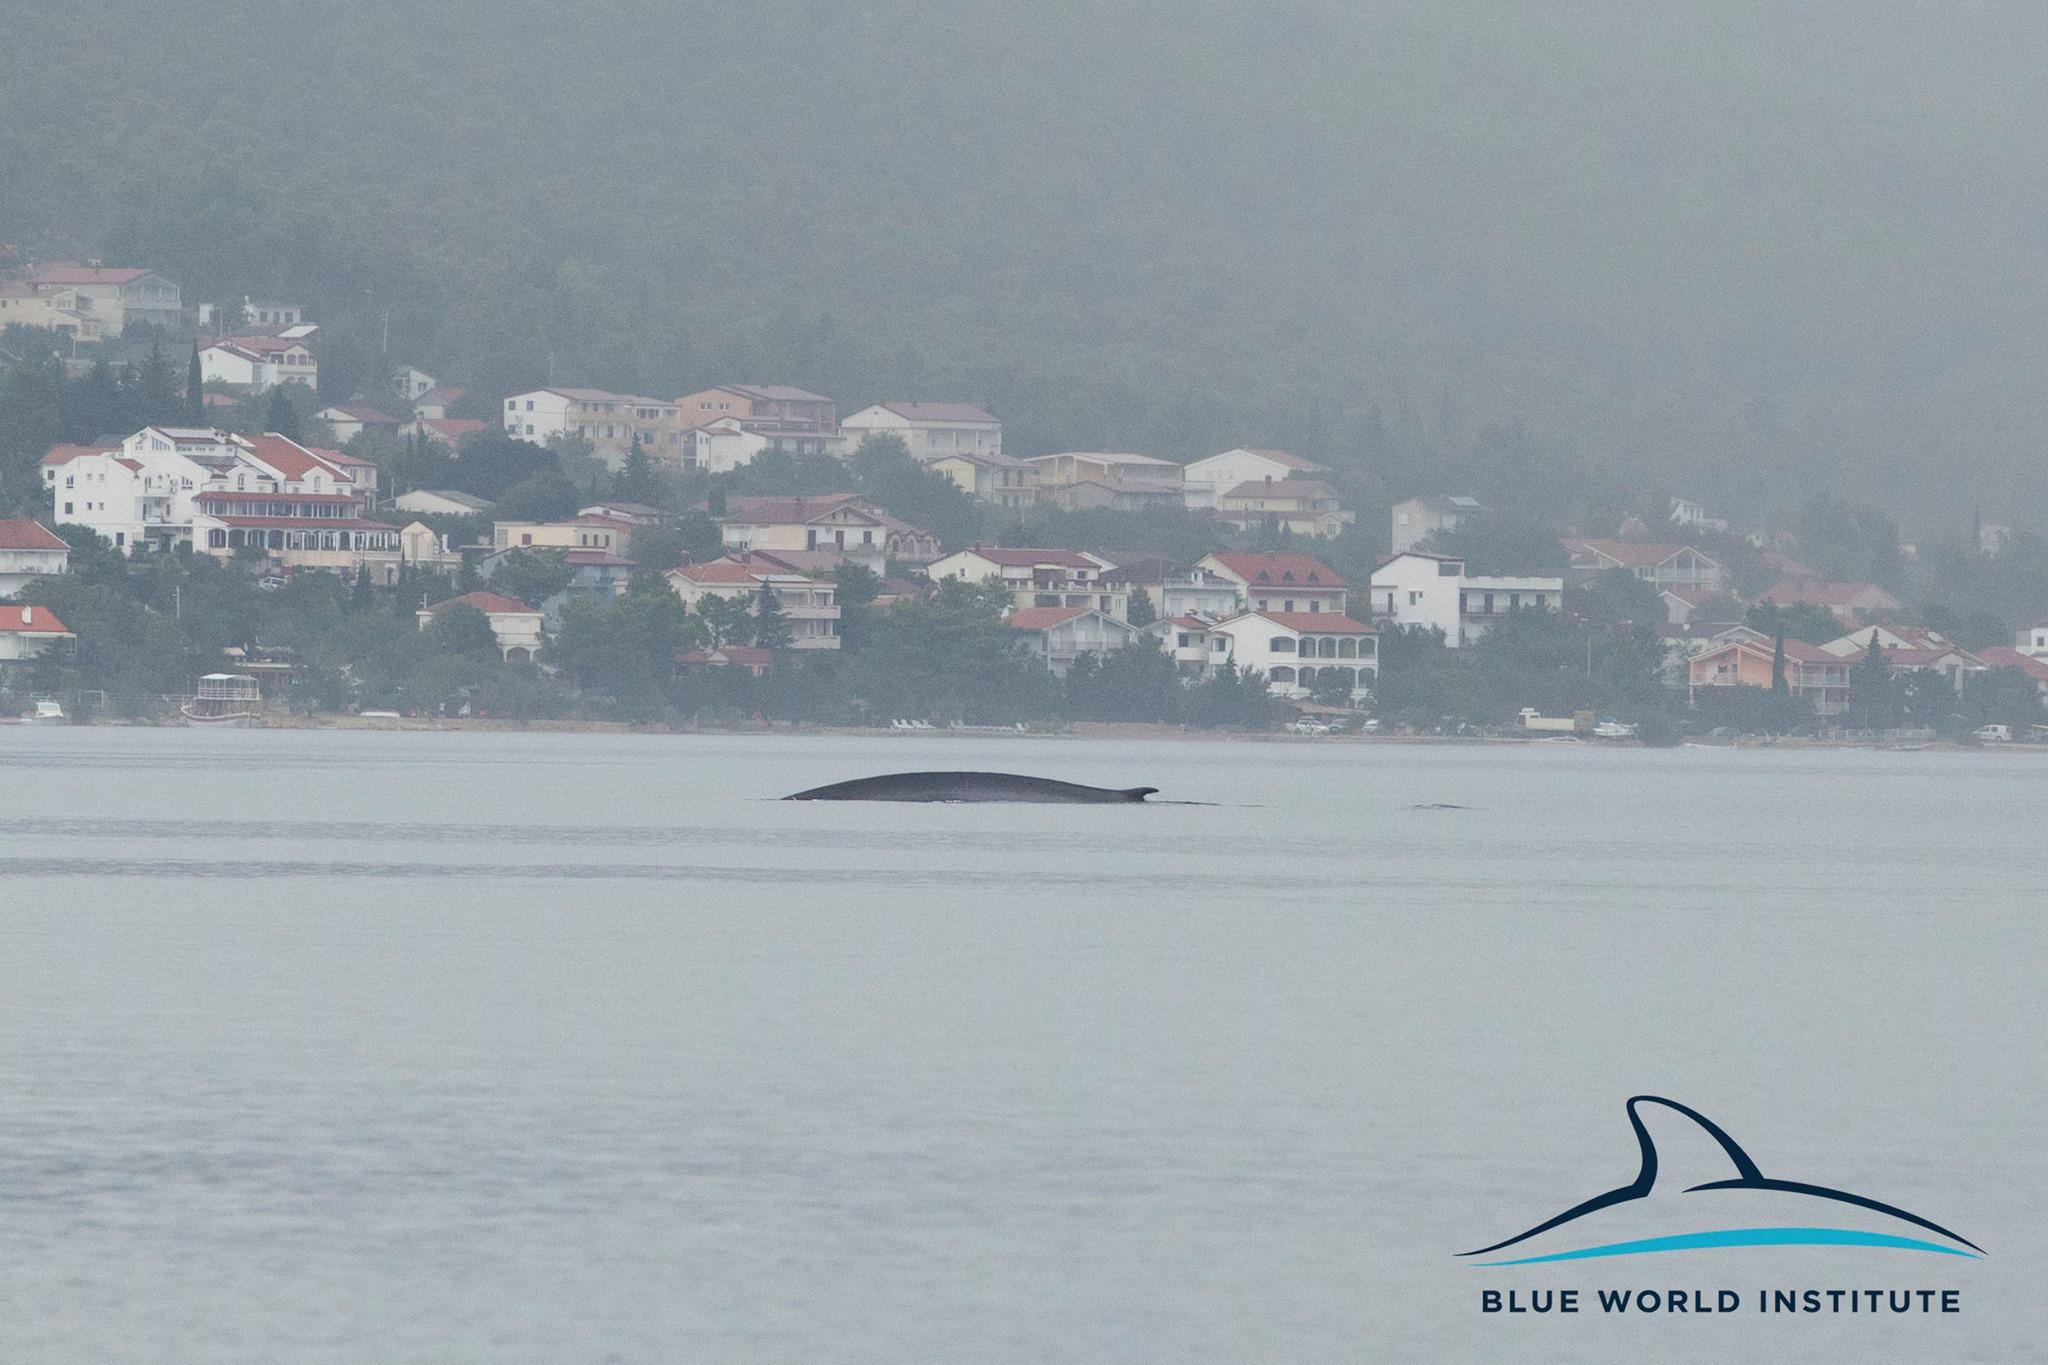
(971, 787)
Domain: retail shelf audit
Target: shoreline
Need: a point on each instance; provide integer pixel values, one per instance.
(1073, 732)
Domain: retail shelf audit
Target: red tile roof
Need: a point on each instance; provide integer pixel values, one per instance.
(1280, 570)
(488, 603)
(30, 620)
(2005, 656)
(65, 454)
(451, 429)
(287, 457)
(1042, 618)
(1315, 622)
(23, 534)
(716, 571)
(362, 414)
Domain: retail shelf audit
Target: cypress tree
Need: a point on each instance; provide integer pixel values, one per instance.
(195, 390)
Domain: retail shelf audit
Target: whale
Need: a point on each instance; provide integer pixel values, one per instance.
(964, 786)
(1798, 1213)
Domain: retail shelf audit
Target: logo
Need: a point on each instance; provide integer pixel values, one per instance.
(1812, 1214)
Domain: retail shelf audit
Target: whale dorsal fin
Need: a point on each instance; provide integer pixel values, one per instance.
(1683, 1149)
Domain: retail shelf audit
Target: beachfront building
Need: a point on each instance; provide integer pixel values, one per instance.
(224, 494)
(1435, 593)
(514, 625)
(29, 550)
(1745, 659)
(1040, 577)
(1294, 650)
(1278, 582)
(811, 605)
(28, 632)
(1060, 635)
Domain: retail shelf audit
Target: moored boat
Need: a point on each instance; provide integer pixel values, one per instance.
(229, 700)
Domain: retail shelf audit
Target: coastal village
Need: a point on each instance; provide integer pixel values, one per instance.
(1281, 599)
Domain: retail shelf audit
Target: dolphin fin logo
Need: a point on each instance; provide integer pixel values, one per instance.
(1747, 1177)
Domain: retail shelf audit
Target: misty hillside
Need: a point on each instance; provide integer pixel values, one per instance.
(1749, 252)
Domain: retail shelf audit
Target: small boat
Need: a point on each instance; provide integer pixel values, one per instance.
(230, 701)
(46, 713)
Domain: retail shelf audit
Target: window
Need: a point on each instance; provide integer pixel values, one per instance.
(1449, 568)
(67, 509)
(1281, 644)
(1414, 599)
(529, 408)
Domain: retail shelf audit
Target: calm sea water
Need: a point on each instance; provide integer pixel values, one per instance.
(492, 1047)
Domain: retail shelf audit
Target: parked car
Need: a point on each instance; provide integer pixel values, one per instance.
(1993, 734)
(270, 582)
(1308, 725)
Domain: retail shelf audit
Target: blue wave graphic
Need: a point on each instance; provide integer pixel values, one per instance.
(1742, 1237)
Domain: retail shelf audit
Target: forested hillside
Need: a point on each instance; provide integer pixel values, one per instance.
(1758, 253)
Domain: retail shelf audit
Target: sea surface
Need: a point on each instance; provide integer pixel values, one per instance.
(321, 1046)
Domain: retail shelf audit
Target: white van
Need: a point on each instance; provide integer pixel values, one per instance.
(1993, 734)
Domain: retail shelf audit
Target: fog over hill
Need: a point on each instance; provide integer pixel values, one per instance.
(1752, 250)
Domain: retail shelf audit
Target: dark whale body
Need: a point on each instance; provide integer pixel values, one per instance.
(970, 787)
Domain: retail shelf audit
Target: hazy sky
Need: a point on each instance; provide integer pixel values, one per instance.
(1755, 245)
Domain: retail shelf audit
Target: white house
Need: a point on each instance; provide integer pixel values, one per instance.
(1208, 479)
(29, 550)
(1278, 582)
(1435, 592)
(258, 362)
(1060, 635)
(221, 494)
(609, 421)
(811, 605)
(1192, 641)
(721, 445)
(26, 632)
(929, 430)
(1293, 649)
(350, 420)
(847, 523)
(1040, 577)
(1417, 519)
(514, 625)
(413, 384)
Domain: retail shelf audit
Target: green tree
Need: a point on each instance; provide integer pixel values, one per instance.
(636, 480)
(281, 415)
(532, 576)
(771, 622)
(464, 630)
(1141, 612)
(727, 620)
(195, 389)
